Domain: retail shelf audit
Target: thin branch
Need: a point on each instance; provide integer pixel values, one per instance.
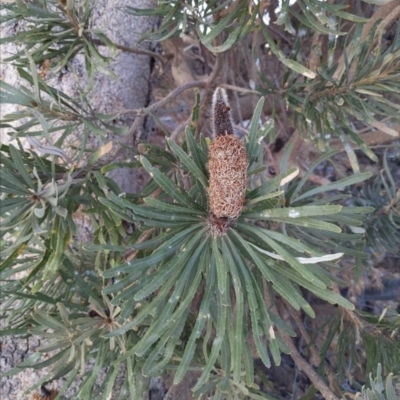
(139, 121)
(74, 22)
(316, 358)
(133, 50)
(241, 129)
(280, 34)
(372, 138)
(57, 114)
(369, 79)
(180, 128)
(153, 107)
(304, 366)
(142, 112)
(314, 56)
(216, 70)
(239, 89)
(271, 162)
(389, 13)
(211, 84)
(142, 238)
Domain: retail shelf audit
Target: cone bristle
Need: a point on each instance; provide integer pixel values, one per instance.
(228, 176)
(221, 113)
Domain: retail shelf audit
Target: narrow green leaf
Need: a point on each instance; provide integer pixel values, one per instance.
(188, 162)
(109, 381)
(264, 197)
(329, 296)
(222, 271)
(250, 253)
(390, 390)
(309, 20)
(253, 304)
(161, 238)
(17, 159)
(161, 323)
(166, 249)
(295, 212)
(325, 294)
(310, 170)
(165, 347)
(232, 38)
(293, 65)
(158, 325)
(294, 263)
(197, 152)
(197, 330)
(252, 145)
(220, 27)
(258, 233)
(225, 357)
(310, 223)
(157, 280)
(340, 184)
(166, 184)
(46, 320)
(178, 319)
(11, 181)
(274, 184)
(171, 208)
(291, 293)
(154, 214)
(248, 364)
(8, 262)
(236, 338)
(217, 343)
(265, 320)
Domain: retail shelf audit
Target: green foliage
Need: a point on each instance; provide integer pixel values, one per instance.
(338, 98)
(209, 19)
(378, 337)
(171, 294)
(44, 108)
(380, 390)
(33, 206)
(38, 199)
(72, 322)
(382, 226)
(359, 91)
(57, 30)
(180, 260)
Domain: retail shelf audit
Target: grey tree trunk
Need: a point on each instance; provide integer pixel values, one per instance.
(131, 89)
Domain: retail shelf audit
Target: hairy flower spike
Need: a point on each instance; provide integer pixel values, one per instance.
(227, 165)
(45, 394)
(221, 114)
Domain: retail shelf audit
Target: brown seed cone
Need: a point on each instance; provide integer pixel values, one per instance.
(227, 166)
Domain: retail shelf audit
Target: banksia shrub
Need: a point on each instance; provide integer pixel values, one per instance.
(200, 269)
(227, 165)
(201, 260)
(189, 288)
